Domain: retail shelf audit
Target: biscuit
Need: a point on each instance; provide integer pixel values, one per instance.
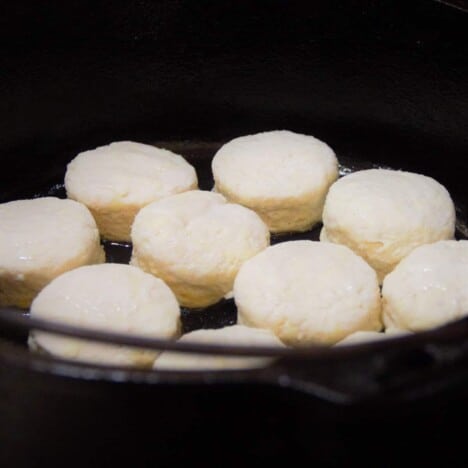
(233, 335)
(196, 242)
(117, 180)
(308, 292)
(428, 288)
(281, 175)
(382, 215)
(109, 297)
(40, 239)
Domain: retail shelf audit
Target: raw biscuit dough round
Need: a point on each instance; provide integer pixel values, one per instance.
(196, 242)
(40, 239)
(308, 292)
(428, 288)
(109, 297)
(233, 335)
(283, 176)
(117, 180)
(382, 215)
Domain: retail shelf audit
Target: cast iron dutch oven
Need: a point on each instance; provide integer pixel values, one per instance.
(383, 82)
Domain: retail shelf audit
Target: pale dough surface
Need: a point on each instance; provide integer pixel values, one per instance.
(308, 292)
(282, 175)
(109, 297)
(428, 288)
(382, 215)
(115, 181)
(196, 242)
(40, 239)
(233, 335)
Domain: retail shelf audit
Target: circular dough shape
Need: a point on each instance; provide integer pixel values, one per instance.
(428, 288)
(233, 335)
(39, 240)
(382, 215)
(196, 242)
(308, 292)
(109, 297)
(115, 181)
(283, 176)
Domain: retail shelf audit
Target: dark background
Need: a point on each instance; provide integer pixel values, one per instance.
(384, 80)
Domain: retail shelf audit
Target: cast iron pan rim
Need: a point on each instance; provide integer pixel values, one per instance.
(19, 356)
(456, 331)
